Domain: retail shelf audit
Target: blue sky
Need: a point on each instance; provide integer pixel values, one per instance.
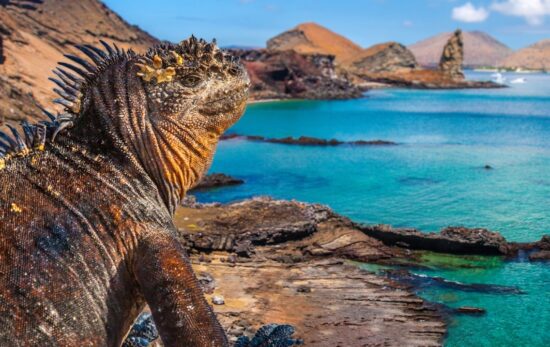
(517, 23)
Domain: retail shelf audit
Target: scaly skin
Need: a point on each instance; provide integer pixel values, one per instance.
(86, 232)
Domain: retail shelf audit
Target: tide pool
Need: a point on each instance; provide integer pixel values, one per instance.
(435, 177)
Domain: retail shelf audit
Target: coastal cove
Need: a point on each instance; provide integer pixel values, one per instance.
(477, 158)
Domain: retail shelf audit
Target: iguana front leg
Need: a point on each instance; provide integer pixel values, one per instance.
(169, 286)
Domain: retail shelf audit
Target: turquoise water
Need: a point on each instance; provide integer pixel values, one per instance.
(433, 179)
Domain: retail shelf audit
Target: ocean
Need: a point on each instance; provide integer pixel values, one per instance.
(433, 178)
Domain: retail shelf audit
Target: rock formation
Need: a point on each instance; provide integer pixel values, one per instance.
(384, 57)
(480, 49)
(216, 180)
(289, 74)
(387, 64)
(452, 57)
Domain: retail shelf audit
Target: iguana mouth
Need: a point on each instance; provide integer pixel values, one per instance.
(232, 97)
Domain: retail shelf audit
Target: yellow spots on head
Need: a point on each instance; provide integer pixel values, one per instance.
(166, 75)
(179, 58)
(157, 62)
(148, 73)
(15, 208)
(41, 147)
(2, 164)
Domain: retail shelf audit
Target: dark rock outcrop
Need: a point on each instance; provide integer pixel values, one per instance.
(292, 75)
(471, 310)
(216, 180)
(454, 240)
(384, 57)
(453, 57)
(536, 251)
(308, 141)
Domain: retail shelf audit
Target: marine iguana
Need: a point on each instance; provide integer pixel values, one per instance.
(86, 199)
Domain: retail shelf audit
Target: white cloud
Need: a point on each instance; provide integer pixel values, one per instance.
(408, 24)
(533, 11)
(469, 13)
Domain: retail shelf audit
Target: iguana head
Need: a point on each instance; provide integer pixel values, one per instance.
(164, 110)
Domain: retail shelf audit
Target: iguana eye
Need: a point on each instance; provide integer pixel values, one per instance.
(191, 81)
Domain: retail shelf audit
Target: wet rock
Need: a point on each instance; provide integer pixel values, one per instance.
(471, 310)
(454, 240)
(453, 57)
(216, 180)
(423, 281)
(540, 256)
(535, 251)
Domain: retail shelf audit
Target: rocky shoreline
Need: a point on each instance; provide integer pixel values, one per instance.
(274, 261)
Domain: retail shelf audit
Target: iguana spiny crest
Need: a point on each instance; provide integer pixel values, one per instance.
(162, 111)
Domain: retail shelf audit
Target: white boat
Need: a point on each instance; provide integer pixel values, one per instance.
(520, 80)
(498, 78)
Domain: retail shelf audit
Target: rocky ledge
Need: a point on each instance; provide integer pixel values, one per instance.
(308, 141)
(267, 261)
(453, 240)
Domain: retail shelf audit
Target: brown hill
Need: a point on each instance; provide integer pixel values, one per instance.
(480, 49)
(313, 38)
(35, 34)
(535, 57)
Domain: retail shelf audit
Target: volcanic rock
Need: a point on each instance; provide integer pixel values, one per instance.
(216, 180)
(452, 57)
(308, 141)
(454, 240)
(470, 310)
(288, 74)
(384, 57)
(480, 49)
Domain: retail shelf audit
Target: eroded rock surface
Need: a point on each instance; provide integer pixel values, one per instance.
(283, 262)
(453, 57)
(454, 240)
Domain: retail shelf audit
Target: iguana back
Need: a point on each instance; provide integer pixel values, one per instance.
(86, 200)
